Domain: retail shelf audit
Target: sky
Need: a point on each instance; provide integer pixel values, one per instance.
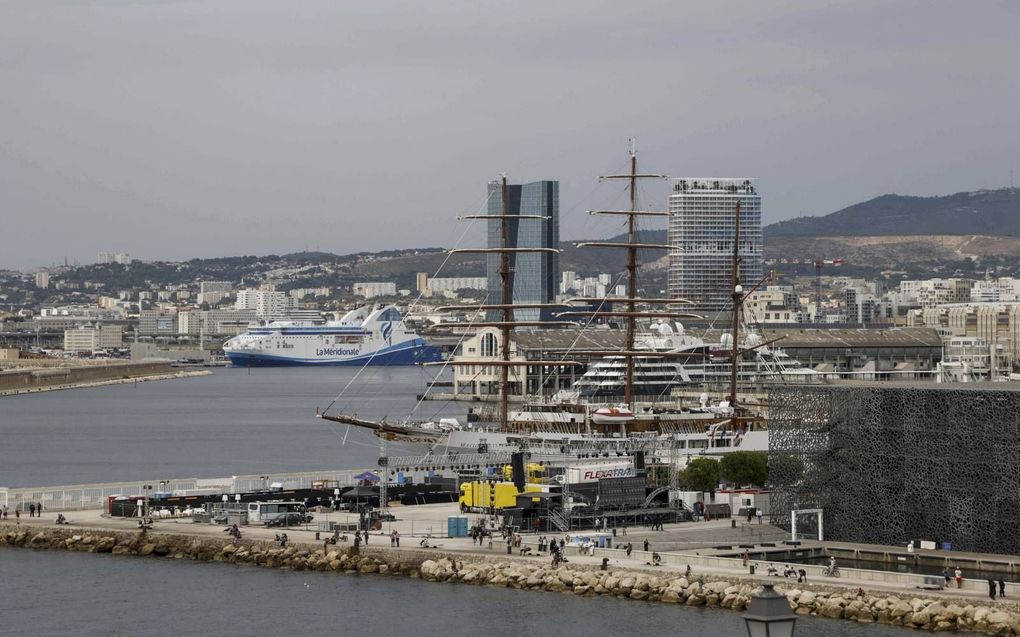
(179, 129)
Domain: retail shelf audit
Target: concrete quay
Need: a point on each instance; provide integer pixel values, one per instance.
(884, 592)
(18, 381)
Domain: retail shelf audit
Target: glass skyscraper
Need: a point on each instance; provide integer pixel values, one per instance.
(701, 229)
(535, 276)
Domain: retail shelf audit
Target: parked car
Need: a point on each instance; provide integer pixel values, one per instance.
(294, 518)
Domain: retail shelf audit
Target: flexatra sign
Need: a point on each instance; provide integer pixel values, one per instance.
(599, 474)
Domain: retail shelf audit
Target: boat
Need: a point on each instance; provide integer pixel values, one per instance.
(618, 415)
(585, 428)
(368, 335)
(693, 362)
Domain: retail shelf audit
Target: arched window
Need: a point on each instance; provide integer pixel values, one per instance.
(488, 344)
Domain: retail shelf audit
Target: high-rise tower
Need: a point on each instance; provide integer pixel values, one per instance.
(535, 275)
(701, 232)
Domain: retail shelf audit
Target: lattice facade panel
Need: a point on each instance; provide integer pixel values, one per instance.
(890, 463)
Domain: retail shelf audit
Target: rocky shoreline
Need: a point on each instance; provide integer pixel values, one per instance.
(912, 611)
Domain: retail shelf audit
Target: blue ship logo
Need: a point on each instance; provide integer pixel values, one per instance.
(387, 331)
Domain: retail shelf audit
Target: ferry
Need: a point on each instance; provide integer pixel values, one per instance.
(369, 335)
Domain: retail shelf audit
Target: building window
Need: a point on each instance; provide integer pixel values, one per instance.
(488, 345)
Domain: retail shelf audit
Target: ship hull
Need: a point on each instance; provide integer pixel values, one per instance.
(398, 356)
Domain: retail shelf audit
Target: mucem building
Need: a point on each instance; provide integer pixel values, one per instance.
(892, 462)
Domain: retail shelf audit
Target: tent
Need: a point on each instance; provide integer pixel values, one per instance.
(367, 476)
(369, 495)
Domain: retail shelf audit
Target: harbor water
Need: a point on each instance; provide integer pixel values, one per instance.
(56, 593)
(234, 422)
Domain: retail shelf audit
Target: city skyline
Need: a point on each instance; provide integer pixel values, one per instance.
(173, 131)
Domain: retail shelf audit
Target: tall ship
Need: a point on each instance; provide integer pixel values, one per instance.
(594, 427)
(368, 335)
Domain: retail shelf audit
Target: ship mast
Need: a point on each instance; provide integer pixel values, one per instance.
(507, 303)
(738, 297)
(632, 246)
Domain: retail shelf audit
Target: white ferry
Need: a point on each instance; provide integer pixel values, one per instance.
(369, 335)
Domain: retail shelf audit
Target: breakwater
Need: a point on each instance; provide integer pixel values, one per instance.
(23, 381)
(701, 589)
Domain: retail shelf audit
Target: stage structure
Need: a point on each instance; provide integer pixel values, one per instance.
(892, 462)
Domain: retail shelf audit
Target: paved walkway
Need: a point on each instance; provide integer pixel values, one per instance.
(413, 524)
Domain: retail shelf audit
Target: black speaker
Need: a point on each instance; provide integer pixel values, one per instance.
(520, 477)
(639, 461)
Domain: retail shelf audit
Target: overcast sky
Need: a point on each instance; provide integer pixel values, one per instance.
(179, 129)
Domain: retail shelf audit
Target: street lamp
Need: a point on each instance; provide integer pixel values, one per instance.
(768, 614)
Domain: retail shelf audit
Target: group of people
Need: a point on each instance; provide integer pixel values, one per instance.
(1001, 586)
(34, 510)
(395, 538)
(233, 531)
(282, 539)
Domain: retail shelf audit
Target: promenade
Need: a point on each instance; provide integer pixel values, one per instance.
(679, 545)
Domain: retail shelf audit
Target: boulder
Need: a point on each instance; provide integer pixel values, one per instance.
(147, 549)
(670, 596)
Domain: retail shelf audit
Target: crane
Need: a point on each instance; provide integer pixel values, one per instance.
(819, 263)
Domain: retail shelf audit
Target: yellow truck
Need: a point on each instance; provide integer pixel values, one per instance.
(481, 496)
(536, 472)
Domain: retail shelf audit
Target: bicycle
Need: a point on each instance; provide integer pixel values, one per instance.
(831, 571)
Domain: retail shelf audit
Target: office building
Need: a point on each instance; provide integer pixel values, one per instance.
(91, 338)
(701, 232)
(42, 280)
(372, 289)
(535, 276)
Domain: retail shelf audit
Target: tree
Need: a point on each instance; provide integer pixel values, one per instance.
(702, 474)
(745, 468)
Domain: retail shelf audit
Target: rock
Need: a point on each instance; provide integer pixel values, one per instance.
(637, 594)
(670, 597)
(806, 598)
(147, 549)
(105, 544)
(832, 609)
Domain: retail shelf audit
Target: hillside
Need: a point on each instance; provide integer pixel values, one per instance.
(985, 212)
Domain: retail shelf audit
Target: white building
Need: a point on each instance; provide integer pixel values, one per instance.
(212, 292)
(452, 284)
(42, 279)
(122, 258)
(372, 289)
(266, 301)
(215, 322)
(992, 290)
(701, 233)
(90, 338)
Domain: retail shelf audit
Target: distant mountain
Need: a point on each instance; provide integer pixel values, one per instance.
(985, 212)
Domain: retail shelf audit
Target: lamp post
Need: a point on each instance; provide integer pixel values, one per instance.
(147, 489)
(768, 614)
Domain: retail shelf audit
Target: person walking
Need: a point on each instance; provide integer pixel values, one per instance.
(396, 536)
(17, 515)
(750, 515)
(31, 510)
(38, 510)
(959, 577)
(646, 545)
(1002, 588)
(630, 547)
(991, 588)
(758, 513)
